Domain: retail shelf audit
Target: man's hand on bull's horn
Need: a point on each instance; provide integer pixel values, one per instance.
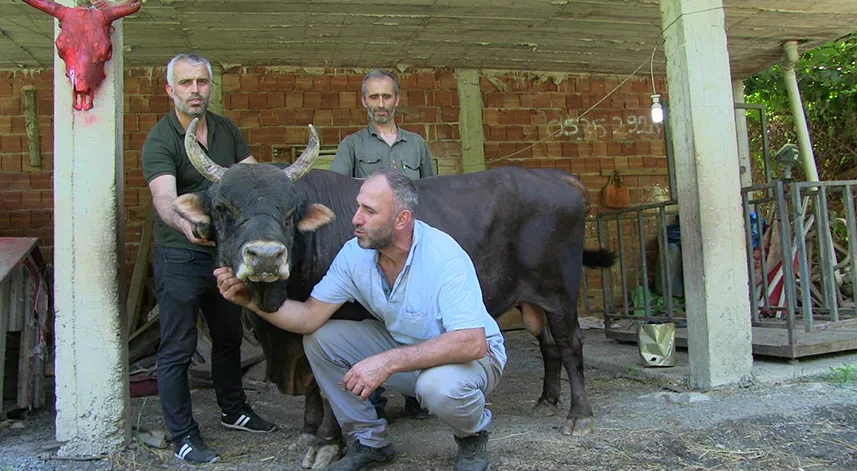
(195, 238)
(232, 289)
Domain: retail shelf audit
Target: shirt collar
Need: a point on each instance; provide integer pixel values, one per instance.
(415, 240)
(400, 136)
(177, 125)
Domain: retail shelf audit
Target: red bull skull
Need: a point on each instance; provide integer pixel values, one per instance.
(84, 42)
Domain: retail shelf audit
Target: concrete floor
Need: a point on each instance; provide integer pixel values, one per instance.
(611, 355)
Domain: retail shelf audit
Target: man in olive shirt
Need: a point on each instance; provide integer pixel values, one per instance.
(183, 263)
(382, 144)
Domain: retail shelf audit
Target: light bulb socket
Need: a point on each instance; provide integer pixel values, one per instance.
(657, 109)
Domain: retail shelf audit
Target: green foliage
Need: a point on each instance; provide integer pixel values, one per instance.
(842, 375)
(827, 77)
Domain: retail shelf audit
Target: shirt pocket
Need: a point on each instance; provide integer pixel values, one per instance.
(366, 164)
(411, 164)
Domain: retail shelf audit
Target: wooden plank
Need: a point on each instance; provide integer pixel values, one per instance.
(768, 341)
(26, 375)
(4, 312)
(144, 337)
(28, 102)
(12, 251)
(16, 300)
(636, 171)
(138, 278)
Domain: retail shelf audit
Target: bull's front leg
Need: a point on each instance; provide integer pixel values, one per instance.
(322, 437)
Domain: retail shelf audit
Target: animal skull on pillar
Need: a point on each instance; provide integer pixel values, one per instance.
(84, 42)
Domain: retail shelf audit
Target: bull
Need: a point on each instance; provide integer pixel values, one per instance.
(279, 230)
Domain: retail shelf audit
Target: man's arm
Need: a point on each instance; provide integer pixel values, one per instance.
(343, 162)
(249, 160)
(164, 191)
(458, 346)
(293, 316)
(427, 164)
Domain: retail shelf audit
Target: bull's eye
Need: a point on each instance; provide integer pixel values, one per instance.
(223, 212)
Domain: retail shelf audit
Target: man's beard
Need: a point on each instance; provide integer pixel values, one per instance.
(195, 110)
(381, 119)
(379, 239)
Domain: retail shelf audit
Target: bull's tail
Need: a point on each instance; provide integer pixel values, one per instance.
(598, 258)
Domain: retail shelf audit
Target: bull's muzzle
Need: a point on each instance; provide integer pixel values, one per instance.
(264, 261)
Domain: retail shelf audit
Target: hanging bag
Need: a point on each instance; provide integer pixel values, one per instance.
(615, 195)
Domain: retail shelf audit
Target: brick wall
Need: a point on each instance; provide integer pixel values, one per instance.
(529, 119)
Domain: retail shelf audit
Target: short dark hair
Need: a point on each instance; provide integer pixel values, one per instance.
(405, 194)
(380, 74)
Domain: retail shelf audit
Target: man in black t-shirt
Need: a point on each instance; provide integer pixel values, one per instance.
(184, 264)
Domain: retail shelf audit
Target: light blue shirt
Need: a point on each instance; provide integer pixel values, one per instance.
(436, 292)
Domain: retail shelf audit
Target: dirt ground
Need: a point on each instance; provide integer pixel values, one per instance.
(807, 425)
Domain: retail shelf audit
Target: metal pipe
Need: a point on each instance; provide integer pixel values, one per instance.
(801, 128)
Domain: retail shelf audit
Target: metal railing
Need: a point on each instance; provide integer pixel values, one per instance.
(628, 232)
(795, 276)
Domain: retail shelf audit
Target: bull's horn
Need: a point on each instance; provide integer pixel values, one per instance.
(207, 167)
(51, 8)
(304, 164)
(112, 13)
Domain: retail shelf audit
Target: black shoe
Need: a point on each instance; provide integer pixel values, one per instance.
(471, 453)
(193, 449)
(248, 421)
(358, 457)
(414, 410)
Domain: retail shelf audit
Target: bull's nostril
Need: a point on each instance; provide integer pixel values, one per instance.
(264, 252)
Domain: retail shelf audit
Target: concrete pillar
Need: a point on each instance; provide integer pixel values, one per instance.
(702, 120)
(216, 105)
(470, 120)
(746, 168)
(91, 344)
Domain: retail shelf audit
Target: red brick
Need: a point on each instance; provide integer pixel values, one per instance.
(5, 223)
(249, 83)
(19, 220)
(329, 100)
(276, 99)
(339, 83)
(19, 125)
(257, 100)
(11, 144)
(5, 125)
(20, 181)
(40, 218)
(159, 104)
(312, 100)
(321, 82)
(286, 81)
(231, 82)
(341, 117)
(268, 118)
(294, 100)
(10, 163)
(31, 199)
(137, 104)
(425, 81)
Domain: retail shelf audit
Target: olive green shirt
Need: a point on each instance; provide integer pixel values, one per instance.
(365, 151)
(164, 154)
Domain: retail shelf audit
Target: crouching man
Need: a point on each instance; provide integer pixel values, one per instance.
(432, 337)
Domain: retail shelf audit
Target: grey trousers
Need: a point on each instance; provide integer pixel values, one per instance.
(455, 393)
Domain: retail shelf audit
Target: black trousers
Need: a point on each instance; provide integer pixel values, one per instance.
(185, 285)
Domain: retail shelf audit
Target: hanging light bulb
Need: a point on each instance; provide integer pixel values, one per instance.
(657, 109)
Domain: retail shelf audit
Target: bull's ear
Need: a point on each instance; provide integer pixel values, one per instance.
(191, 207)
(316, 217)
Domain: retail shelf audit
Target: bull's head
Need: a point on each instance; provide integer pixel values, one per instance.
(84, 42)
(253, 211)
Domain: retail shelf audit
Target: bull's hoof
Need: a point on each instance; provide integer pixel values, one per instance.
(326, 455)
(544, 408)
(320, 455)
(578, 427)
(309, 458)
